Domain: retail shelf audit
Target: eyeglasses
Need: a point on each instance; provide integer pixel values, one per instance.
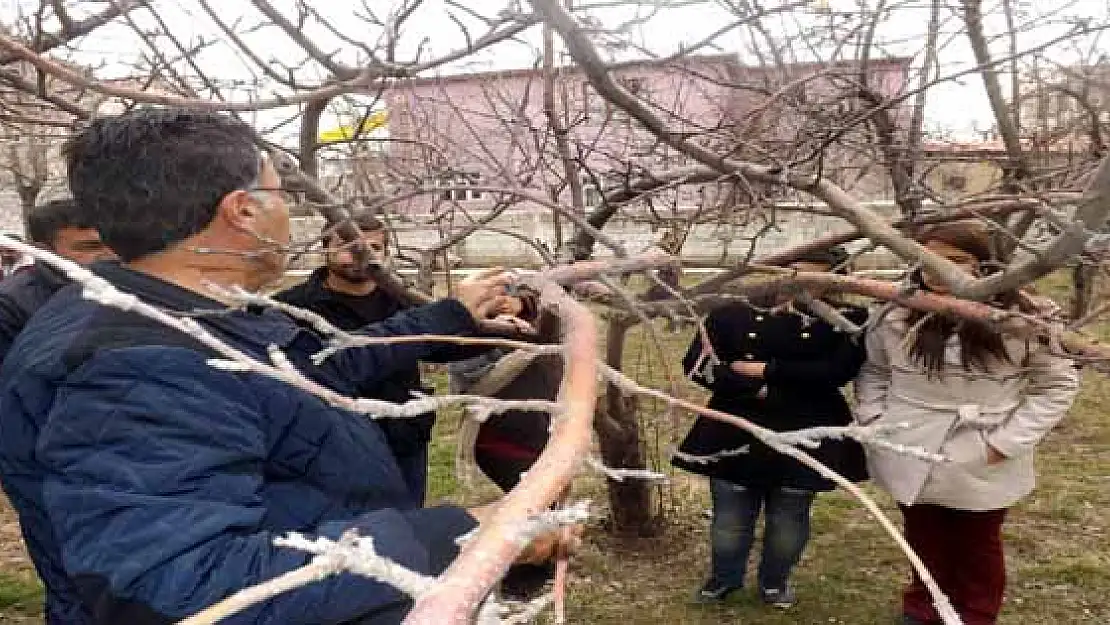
(291, 197)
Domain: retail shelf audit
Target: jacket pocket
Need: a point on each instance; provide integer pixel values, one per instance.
(966, 447)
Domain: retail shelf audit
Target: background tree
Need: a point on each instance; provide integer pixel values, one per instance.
(815, 112)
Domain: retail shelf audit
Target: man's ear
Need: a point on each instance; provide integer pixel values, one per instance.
(238, 210)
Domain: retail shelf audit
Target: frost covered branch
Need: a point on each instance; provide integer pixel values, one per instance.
(351, 553)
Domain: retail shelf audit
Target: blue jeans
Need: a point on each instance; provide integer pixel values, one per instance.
(786, 531)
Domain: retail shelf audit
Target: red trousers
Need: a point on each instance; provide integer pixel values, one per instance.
(963, 551)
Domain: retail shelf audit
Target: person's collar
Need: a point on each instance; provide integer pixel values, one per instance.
(152, 289)
(49, 275)
(318, 277)
(259, 325)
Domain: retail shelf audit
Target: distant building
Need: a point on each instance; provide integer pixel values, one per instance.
(961, 169)
(466, 133)
(1063, 105)
(452, 141)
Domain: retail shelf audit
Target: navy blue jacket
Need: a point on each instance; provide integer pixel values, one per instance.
(407, 437)
(21, 295)
(150, 485)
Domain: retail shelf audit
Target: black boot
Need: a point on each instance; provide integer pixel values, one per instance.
(525, 581)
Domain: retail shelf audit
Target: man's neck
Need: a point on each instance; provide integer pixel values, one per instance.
(339, 284)
(196, 273)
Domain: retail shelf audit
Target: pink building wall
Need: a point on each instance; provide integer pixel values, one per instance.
(490, 128)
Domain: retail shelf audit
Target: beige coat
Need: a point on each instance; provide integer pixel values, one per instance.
(1011, 408)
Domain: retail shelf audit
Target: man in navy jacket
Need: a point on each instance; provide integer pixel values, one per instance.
(150, 484)
(61, 227)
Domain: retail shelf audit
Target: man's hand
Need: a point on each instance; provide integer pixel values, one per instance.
(748, 369)
(480, 293)
(543, 547)
(546, 546)
(507, 305)
(482, 513)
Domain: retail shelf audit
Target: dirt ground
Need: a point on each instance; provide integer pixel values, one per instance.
(1058, 540)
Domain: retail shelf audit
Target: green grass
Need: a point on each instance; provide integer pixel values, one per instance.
(1058, 539)
(1058, 543)
(20, 594)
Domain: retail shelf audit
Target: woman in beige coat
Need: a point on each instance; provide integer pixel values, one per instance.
(982, 399)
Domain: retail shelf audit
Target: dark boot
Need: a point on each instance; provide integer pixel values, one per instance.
(525, 582)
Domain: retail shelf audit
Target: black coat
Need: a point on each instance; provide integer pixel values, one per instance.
(405, 436)
(806, 366)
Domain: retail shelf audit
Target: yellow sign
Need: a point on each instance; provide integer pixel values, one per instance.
(345, 133)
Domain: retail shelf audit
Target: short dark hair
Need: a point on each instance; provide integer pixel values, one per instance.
(45, 221)
(154, 176)
(366, 222)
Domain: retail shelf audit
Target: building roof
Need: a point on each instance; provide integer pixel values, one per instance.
(989, 147)
(727, 60)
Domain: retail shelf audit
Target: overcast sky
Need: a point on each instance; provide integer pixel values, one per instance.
(958, 106)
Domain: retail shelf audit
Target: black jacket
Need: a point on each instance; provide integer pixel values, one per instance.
(406, 436)
(806, 366)
(21, 294)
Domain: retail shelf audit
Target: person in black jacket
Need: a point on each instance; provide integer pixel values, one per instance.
(508, 443)
(58, 226)
(344, 293)
(780, 367)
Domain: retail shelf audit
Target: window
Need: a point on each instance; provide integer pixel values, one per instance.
(955, 182)
(454, 184)
(633, 85)
(592, 195)
(799, 92)
(593, 105)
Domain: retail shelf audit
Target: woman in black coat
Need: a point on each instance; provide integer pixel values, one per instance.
(781, 368)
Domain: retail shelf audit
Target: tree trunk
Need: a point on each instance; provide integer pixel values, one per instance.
(1083, 279)
(618, 431)
(309, 136)
(28, 194)
(425, 273)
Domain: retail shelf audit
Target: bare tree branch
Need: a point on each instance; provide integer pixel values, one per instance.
(72, 30)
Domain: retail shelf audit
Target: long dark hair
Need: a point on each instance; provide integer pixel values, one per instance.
(981, 345)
